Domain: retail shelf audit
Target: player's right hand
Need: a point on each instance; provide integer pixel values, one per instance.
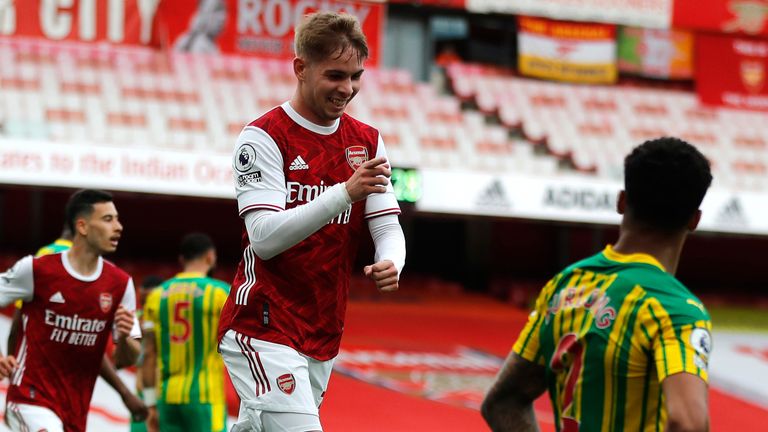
(123, 321)
(7, 366)
(153, 421)
(372, 177)
(139, 411)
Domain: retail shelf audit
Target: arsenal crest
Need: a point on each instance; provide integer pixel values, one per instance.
(105, 301)
(356, 156)
(752, 75)
(286, 383)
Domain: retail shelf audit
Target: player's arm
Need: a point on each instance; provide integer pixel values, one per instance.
(508, 406)
(17, 283)
(389, 259)
(13, 332)
(127, 347)
(381, 210)
(687, 402)
(681, 343)
(132, 402)
(127, 330)
(149, 367)
(261, 195)
(148, 377)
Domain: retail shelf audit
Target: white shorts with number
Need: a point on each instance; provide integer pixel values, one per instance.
(23, 418)
(273, 378)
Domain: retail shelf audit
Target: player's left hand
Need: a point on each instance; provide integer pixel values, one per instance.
(123, 322)
(7, 365)
(137, 408)
(384, 274)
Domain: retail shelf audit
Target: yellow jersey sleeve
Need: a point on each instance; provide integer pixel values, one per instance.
(681, 343)
(152, 309)
(528, 345)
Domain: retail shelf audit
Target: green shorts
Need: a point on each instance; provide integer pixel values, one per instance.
(138, 426)
(195, 417)
(142, 425)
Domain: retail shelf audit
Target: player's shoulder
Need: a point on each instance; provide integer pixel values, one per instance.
(355, 124)
(154, 295)
(44, 258)
(44, 264)
(113, 269)
(678, 301)
(219, 284)
(269, 119)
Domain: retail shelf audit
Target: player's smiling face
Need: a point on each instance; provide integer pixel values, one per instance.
(103, 229)
(327, 86)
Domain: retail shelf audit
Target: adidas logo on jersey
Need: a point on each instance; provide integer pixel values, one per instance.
(57, 298)
(298, 164)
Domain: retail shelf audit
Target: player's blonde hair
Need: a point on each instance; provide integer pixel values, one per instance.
(321, 34)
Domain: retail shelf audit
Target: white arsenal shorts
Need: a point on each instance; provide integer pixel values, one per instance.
(24, 417)
(275, 379)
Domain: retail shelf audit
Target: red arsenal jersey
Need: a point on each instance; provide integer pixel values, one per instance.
(67, 321)
(298, 298)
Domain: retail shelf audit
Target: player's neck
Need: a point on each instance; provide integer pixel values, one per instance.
(83, 258)
(197, 267)
(303, 109)
(666, 248)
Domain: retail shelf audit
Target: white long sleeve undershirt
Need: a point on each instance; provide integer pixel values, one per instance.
(388, 239)
(271, 233)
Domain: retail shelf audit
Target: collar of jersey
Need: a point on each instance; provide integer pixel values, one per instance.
(632, 258)
(190, 275)
(306, 124)
(63, 242)
(72, 272)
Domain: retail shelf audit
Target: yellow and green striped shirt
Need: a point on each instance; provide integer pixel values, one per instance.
(184, 314)
(58, 246)
(609, 330)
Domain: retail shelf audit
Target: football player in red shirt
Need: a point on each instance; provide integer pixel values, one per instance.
(73, 302)
(309, 178)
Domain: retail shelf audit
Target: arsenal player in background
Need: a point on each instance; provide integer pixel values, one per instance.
(73, 302)
(309, 178)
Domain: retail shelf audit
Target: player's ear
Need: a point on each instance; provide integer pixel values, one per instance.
(694, 221)
(621, 203)
(299, 68)
(81, 226)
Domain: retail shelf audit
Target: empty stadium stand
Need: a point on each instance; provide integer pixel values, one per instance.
(138, 97)
(595, 126)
